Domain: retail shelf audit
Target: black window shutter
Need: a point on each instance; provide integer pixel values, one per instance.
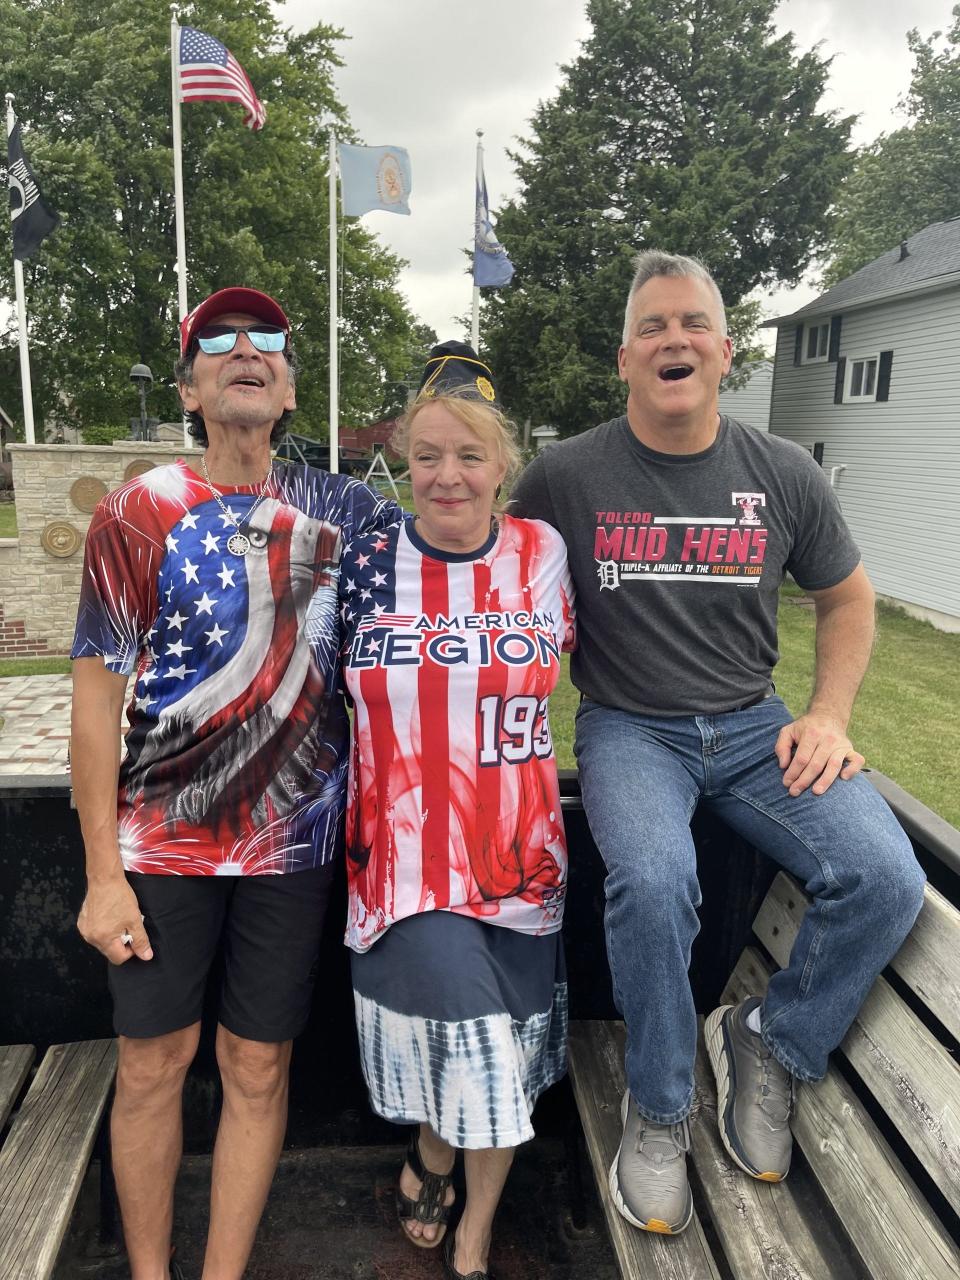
(798, 344)
(883, 375)
(838, 384)
(833, 351)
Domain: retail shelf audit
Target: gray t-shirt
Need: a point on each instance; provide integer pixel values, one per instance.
(677, 559)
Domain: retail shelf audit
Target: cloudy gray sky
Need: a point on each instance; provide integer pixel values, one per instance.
(426, 75)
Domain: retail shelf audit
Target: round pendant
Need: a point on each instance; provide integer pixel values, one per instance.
(238, 544)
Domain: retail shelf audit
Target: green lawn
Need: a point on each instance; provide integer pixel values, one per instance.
(8, 520)
(905, 721)
(34, 666)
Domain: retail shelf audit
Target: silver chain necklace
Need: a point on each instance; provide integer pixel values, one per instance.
(238, 543)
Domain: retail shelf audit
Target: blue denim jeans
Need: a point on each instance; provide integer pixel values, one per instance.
(641, 779)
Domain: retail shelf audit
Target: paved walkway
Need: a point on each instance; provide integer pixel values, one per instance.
(35, 711)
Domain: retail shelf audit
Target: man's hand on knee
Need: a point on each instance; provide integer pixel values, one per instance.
(813, 752)
(110, 920)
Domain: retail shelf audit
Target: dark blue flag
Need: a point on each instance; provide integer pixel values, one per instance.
(491, 266)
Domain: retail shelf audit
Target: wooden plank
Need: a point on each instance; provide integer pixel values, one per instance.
(890, 1224)
(760, 1224)
(928, 962)
(596, 1069)
(749, 978)
(46, 1154)
(914, 1079)
(15, 1061)
(908, 1071)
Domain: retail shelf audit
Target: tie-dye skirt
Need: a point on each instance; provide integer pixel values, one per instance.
(462, 1025)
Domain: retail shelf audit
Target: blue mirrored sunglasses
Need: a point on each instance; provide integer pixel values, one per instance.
(219, 339)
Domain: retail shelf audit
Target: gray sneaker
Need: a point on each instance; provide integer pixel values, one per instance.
(754, 1094)
(648, 1177)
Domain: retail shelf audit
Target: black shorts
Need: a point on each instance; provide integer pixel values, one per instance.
(268, 928)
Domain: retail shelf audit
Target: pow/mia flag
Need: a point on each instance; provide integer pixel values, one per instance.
(33, 219)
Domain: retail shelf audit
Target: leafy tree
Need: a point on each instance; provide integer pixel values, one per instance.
(422, 341)
(104, 432)
(910, 178)
(92, 85)
(687, 125)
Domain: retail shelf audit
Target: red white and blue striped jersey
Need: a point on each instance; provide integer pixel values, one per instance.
(236, 752)
(453, 801)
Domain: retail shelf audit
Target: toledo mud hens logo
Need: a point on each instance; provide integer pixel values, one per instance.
(748, 504)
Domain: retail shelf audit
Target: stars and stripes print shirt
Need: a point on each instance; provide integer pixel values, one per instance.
(453, 801)
(237, 746)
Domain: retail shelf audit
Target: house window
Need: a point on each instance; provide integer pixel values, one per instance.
(861, 379)
(816, 342)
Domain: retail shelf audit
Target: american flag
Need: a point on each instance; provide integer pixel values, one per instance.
(210, 73)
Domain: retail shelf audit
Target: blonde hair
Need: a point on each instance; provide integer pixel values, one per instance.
(484, 420)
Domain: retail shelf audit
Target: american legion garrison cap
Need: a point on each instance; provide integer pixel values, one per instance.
(455, 369)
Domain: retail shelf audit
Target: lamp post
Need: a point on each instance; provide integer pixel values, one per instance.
(142, 428)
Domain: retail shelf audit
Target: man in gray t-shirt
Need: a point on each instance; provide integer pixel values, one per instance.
(680, 525)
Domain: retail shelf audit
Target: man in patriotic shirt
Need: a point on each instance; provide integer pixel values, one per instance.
(218, 592)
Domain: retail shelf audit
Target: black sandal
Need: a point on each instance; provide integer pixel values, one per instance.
(428, 1207)
(451, 1272)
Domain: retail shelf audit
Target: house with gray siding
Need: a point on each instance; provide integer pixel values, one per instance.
(867, 377)
(749, 401)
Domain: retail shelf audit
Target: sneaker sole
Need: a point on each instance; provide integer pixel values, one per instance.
(715, 1037)
(656, 1225)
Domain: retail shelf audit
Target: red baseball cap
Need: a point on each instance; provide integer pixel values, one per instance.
(249, 302)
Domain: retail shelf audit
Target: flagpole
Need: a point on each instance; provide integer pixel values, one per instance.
(334, 327)
(178, 180)
(475, 326)
(26, 387)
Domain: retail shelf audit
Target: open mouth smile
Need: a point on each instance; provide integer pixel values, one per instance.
(674, 372)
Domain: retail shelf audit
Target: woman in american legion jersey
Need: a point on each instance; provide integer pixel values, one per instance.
(454, 620)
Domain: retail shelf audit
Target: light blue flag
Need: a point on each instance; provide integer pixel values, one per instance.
(491, 266)
(374, 178)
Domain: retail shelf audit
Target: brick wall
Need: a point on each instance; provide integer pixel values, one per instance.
(39, 589)
(14, 642)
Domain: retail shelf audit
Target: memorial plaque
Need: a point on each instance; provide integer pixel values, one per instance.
(86, 492)
(60, 539)
(137, 467)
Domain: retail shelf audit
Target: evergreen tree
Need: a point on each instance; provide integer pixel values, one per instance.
(687, 125)
(92, 85)
(910, 178)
